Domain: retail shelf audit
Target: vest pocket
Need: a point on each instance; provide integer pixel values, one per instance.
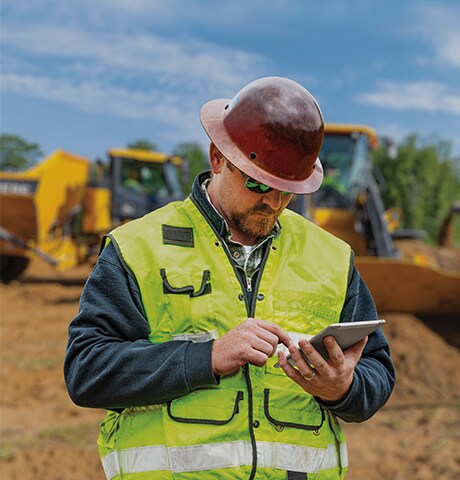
(186, 302)
(302, 413)
(207, 416)
(221, 418)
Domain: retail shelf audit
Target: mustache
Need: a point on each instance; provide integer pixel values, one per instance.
(265, 209)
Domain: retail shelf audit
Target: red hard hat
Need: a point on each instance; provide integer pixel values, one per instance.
(272, 130)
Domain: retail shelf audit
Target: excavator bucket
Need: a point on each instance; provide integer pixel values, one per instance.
(403, 286)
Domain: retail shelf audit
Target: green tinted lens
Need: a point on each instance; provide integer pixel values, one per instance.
(256, 187)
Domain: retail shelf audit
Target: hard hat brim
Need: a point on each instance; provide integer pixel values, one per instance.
(212, 116)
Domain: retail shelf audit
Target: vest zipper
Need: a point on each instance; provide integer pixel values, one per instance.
(259, 271)
(251, 419)
(249, 284)
(250, 309)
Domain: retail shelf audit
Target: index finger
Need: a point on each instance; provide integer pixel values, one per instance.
(277, 330)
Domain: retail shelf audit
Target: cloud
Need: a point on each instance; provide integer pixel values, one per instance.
(94, 98)
(138, 76)
(126, 55)
(423, 96)
(159, 15)
(438, 24)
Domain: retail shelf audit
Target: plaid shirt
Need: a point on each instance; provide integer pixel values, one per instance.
(246, 258)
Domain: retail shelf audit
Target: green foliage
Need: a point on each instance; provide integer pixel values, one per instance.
(423, 180)
(456, 231)
(17, 154)
(196, 159)
(143, 144)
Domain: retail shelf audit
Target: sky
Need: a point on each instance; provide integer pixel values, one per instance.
(89, 75)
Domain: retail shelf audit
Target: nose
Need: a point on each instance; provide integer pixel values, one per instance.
(273, 199)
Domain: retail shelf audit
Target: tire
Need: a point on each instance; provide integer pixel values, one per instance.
(11, 267)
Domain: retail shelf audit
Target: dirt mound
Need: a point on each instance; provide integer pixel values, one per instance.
(427, 367)
(416, 435)
(44, 436)
(447, 258)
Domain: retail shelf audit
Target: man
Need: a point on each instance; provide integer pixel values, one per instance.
(182, 315)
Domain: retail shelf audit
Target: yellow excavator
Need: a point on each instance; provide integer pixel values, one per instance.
(349, 205)
(59, 209)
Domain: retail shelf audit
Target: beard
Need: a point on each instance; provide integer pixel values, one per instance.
(253, 224)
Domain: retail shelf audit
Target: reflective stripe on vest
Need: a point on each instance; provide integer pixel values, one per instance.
(222, 455)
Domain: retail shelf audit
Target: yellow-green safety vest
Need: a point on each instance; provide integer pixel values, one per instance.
(257, 423)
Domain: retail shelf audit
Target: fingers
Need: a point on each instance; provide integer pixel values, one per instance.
(303, 376)
(263, 345)
(282, 335)
(315, 359)
(357, 348)
(252, 341)
(329, 379)
(338, 357)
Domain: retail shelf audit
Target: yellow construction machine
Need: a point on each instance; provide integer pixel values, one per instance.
(349, 205)
(59, 209)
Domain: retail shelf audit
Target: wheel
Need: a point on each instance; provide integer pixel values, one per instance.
(11, 267)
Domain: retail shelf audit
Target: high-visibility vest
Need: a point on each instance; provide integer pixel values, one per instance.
(257, 423)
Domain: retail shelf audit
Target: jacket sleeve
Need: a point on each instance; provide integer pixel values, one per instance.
(374, 375)
(110, 363)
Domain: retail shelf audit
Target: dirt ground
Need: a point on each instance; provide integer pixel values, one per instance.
(43, 435)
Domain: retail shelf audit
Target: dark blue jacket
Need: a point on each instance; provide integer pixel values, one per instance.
(111, 364)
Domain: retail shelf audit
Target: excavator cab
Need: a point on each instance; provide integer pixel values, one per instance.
(348, 204)
(142, 181)
(345, 163)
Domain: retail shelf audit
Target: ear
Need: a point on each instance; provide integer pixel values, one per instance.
(216, 159)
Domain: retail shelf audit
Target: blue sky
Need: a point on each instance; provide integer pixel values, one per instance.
(89, 75)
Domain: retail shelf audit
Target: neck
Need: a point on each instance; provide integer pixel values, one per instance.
(240, 237)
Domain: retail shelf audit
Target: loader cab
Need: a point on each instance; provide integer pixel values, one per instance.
(142, 181)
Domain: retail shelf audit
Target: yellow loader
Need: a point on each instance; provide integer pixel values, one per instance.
(59, 209)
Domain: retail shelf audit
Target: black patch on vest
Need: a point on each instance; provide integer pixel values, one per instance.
(182, 236)
(296, 476)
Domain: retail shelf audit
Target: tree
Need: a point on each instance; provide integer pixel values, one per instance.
(16, 153)
(423, 180)
(143, 144)
(196, 159)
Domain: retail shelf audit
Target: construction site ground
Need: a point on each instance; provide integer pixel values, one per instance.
(43, 435)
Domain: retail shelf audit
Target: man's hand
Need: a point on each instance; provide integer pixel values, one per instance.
(329, 380)
(252, 341)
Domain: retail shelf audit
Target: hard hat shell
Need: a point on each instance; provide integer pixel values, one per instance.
(272, 130)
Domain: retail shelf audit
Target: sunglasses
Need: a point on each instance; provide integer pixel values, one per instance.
(257, 187)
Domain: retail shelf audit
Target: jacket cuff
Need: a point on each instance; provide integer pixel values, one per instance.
(198, 365)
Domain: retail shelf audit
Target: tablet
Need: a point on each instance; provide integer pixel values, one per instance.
(346, 335)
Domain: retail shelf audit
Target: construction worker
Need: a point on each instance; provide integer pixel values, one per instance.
(183, 314)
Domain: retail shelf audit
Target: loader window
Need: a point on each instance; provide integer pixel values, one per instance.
(144, 177)
(337, 157)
